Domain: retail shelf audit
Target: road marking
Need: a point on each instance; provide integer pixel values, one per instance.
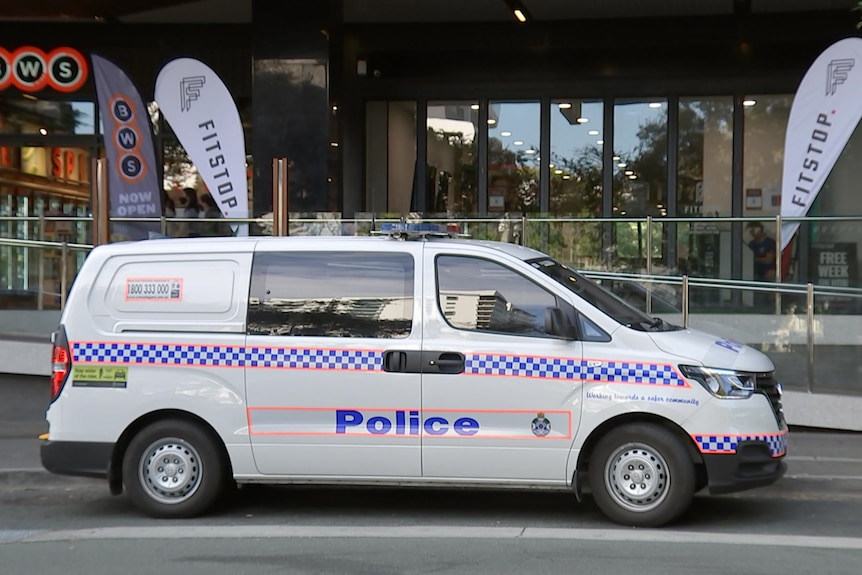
(441, 532)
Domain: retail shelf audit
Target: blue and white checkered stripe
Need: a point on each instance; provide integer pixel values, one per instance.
(561, 368)
(226, 356)
(727, 443)
(298, 358)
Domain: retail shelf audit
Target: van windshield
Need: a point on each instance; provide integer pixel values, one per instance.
(609, 303)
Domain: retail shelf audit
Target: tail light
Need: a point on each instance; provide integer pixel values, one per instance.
(61, 362)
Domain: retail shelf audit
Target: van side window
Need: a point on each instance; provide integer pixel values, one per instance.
(481, 295)
(334, 294)
(590, 331)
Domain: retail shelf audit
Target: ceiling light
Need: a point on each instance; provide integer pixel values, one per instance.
(659, 205)
(622, 164)
(518, 142)
(600, 142)
(655, 105)
(567, 177)
(558, 172)
(593, 132)
(530, 152)
(629, 172)
(519, 14)
(550, 165)
(582, 120)
(491, 121)
(565, 105)
(335, 108)
(633, 177)
(749, 103)
(43, 131)
(333, 144)
(615, 158)
(505, 134)
(474, 106)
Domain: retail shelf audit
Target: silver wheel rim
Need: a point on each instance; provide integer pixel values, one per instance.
(637, 477)
(170, 470)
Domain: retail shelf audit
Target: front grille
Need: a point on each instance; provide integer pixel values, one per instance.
(768, 386)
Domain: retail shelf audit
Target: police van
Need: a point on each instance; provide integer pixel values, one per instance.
(181, 367)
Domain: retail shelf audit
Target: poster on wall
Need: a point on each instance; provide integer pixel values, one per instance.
(833, 264)
(754, 198)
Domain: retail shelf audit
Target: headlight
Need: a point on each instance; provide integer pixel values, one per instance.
(724, 383)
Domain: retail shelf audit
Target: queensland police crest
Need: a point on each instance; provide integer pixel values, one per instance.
(541, 425)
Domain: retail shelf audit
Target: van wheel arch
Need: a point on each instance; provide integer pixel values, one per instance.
(115, 472)
(582, 468)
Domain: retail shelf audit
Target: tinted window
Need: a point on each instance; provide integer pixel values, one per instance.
(481, 295)
(343, 294)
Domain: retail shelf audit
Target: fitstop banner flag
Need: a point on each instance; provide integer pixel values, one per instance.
(205, 119)
(825, 111)
(133, 180)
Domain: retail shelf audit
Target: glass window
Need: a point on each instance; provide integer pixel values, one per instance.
(576, 157)
(513, 157)
(453, 153)
(765, 119)
(331, 294)
(640, 157)
(27, 115)
(704, 186)
(390, 157)
(480, 295)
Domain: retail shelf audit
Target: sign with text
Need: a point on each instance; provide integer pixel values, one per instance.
(30, 69)
(833, 265)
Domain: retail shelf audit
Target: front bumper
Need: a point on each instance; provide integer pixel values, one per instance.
(752, 465)
(80, 458)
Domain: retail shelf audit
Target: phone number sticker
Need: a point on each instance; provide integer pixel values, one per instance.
(154, 289)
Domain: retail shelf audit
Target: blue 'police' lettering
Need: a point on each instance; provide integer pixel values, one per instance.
(405, 423)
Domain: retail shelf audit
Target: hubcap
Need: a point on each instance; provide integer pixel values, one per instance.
(637, 477)
(170, 470)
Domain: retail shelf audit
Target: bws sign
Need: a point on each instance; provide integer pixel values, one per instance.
(30, 69)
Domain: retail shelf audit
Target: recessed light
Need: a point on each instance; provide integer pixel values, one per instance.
(491, 121)
(593, 132)
(622, 164)
(505, 134)
(567, 177)
(565, 105)
(633, 177)
(600, 142)
(43, 131)
(655, 105)
(615, 158)
(474, 106)
(529, 152)
(749, 103)
(629, 172)
(519, 14)
(333, 144)
(518, 142)
(582, 120)
(558, 172)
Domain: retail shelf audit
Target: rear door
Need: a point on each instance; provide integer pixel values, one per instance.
(331, 337)
(501, 398)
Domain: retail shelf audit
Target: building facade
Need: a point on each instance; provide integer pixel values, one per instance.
(611, 111)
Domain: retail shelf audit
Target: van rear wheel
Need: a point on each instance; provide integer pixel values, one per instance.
(172, 468)
(641, 475)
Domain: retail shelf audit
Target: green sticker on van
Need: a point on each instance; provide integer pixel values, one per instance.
(99, 376)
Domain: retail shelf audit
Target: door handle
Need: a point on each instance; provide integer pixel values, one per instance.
(398, 361)
(443, 362)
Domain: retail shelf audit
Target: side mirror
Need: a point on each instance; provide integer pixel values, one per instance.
(558, 324)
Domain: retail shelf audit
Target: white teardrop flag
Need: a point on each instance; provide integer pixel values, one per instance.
(824, 114)
(204, 117)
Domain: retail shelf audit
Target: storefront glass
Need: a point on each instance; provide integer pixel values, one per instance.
(453, 156)
(513, 157)
(576, 157)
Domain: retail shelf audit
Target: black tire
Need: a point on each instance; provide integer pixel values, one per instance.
(173, 468)
(641, 475)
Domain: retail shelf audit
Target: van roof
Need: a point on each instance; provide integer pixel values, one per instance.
(244, 244)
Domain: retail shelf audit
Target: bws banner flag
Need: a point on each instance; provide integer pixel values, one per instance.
(204, 117)
(133, 180)
(824, 114)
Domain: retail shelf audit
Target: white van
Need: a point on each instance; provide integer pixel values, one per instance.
(407, 359)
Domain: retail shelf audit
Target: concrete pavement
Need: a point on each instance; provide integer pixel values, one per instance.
(813, 454)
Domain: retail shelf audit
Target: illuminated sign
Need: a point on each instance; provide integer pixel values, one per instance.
(30, 69)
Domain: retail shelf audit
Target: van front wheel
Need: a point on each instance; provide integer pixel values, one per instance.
(641, 475)
(172, 468)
